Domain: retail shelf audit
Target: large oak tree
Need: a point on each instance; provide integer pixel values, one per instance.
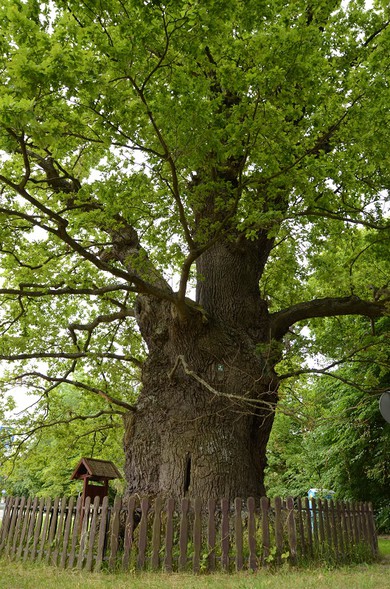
(171, 173)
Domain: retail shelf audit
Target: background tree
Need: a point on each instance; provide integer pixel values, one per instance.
(328, 431)
(227, 145)
(50, 438)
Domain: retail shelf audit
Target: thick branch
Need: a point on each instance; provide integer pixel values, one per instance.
(108, 318)
(44, 291)
(327, 214)
(81, 385)
(141, 286)
(70, 356)
(328, 307)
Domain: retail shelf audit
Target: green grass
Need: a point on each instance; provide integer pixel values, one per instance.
(23, 576)
(384, 547)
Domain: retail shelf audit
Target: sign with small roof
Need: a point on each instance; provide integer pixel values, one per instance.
(92, 471)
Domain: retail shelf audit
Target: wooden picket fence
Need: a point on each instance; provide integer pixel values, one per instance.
(165, 535)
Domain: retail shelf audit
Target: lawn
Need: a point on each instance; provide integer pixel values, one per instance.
(15, 575)
(22, 576)
(384, 546)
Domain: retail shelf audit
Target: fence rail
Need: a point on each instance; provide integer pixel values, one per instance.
(165, 535)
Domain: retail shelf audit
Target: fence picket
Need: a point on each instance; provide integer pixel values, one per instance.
(12, 525)
(348, 522)
(129, 530)
(183, 538)
(211, 534)
(68, 523)
(24, 529)
(355, 529)
(314, 514)
(102, 533)
(18, 525)
(326, 520)
(168, 565)
(321, 527)
(309, 527)
(37, 529)
(114, 531)
(53, 525)
(341, 524)
(252, 561)
(301, 528)
(5, 521)
(143, 533)
(156, 534)
(75, 532)
(46, 521)
(373, 536)
(292, 531)
(84, 533)
(225, 540)
(333, 522)
(30, 531)
(238, 535)
(279, 539)
(59, 530)
(197, 534)
(92, 534)
(266, 543)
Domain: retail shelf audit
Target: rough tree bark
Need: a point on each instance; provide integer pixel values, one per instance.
(206, 408)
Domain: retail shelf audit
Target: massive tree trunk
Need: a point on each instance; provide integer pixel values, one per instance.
(209, 391)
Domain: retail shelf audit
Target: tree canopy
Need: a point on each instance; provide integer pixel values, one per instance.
(150, 149)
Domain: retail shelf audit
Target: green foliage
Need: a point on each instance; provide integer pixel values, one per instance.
(49, 441)
(329, 432)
